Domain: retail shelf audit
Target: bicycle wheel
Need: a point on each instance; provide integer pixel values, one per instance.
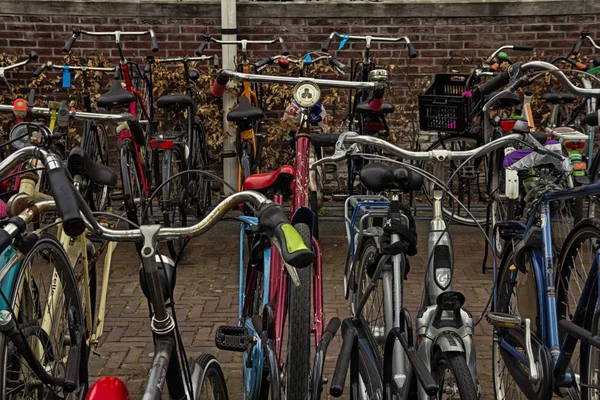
(200, 185)
(453, 376)
(298, 348)
(516, 295)
(574, 267)
(95, 144)
(44, 274)
(208, 379)
(173, 201)
(132, 187)
(467, 185)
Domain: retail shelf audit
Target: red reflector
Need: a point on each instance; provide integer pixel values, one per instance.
(575, 145)
(507, 124)
(161, 144)
(579, 166)
(374, 126)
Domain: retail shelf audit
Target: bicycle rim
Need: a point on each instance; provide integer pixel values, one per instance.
(44, 270)
(208, 379)
(132, 189)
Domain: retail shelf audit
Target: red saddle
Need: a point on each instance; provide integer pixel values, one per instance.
(278, 181)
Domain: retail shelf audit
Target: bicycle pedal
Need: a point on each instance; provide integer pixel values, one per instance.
(503, 320)
(233, 338)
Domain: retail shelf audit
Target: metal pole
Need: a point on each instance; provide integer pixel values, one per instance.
(229, 32)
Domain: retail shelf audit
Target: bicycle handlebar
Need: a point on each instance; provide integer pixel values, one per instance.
(368, 39)
(77, 32)
(244, 43)
(32, 56)
(516, 48)
(51, 66)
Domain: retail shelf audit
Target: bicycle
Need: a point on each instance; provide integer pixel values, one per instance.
(276, 288)
(94, 138)
(533, 345)
(360, 117)
(157, 279)
(183, 148)
(248, 140)
(135, 166)
(31, 57)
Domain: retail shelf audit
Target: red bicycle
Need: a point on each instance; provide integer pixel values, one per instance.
(273, 294)
(135, 166)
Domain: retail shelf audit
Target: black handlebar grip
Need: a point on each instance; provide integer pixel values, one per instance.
(591, 119)
(325, 45)
(294, 252)
(70, 43)
(412, 53)
(336, 63)
(495, 83)
(137, 132)
(66, 202)
(343, 362)
(201, 48)
(5, 240)
(220, 85)
(39, 70)
(262, 63)
(154, 43)
(284, 49)
(523, 48)
(333, 326)
(33, 56)
(577, 46)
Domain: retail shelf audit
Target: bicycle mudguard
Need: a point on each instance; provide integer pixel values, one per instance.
(304, 215)
(532, 239)
(449, 342)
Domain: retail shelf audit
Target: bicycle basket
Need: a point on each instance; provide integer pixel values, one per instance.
(443, 108)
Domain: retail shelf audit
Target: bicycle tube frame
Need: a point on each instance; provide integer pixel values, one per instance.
(248, 134)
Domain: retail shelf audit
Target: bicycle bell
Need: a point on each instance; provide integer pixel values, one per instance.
(378, 75)
(307, 94)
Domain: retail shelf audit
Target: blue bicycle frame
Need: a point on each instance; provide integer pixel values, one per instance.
(10, 259)
(542, 261)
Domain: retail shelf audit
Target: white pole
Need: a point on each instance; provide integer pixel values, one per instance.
(229, 52)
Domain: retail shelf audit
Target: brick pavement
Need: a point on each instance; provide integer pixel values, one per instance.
(206, 297)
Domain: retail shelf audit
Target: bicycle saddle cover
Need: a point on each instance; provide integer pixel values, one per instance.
(245, 112)
(363, 108)
(116, 96)
(80, 163)
(171, 100)
(378, 177)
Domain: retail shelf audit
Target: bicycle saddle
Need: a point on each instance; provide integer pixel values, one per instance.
(559, 98)
(116, 96)
(278, 181)
(245, 112)
(378, 177)
(363, 108)
(80, 163)
(507, 100)
(324, 140)
(591, 119)
(171, 100)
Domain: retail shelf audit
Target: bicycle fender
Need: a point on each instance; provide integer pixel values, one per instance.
(304, 215)
(449, 342)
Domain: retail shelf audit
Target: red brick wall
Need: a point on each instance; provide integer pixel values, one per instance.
(442, 43)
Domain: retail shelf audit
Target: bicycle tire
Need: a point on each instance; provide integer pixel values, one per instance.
(201, 197)
(463, 191)
(454, 362)
(314, 206)
(210, 379)
(92, 276)
(132, 188)
(25, 297)
(174, 212)
(95, 143)
(566, 300)
(298, 365)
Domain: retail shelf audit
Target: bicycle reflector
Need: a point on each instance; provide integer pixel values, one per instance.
(161, 144)
(574, 145)
(507, 124)
(20, 108)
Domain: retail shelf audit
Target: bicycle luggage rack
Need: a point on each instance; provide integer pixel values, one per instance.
(359, 212)
(443, 107)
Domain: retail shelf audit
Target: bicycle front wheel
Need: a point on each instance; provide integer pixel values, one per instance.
(208, 379)
(173, 196)
(40, 295)
(453, 376)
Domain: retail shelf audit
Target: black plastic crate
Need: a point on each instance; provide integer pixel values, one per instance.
(443, 108)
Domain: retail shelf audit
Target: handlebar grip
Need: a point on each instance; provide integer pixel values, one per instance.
(495, 83)
(218, 88)
(284, 49)
(293, 250)
(39, 71)
(412, 53)
(343, 362)
(325, 45)
(263, 62)
(154, 44)
(5, 240)
(336, 63)
(580, 66)
(333, 326)
(66, 201)
(137, 132)
(577, 46)
(201, 48)
(377, 102)
(70, 43)
(33, 56)
(523, 48)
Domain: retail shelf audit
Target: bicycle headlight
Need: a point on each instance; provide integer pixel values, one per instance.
(20, 136)
(307, 94)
